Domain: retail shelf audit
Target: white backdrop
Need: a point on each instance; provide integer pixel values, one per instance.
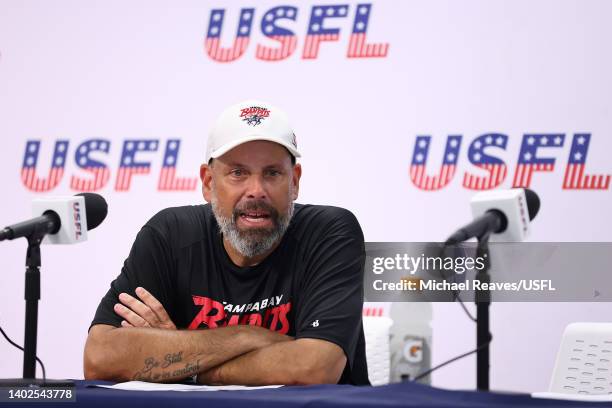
(117, 71)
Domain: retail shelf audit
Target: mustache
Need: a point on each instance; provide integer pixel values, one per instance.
(255, 205)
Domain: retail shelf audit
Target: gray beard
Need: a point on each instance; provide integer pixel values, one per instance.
(257, 241)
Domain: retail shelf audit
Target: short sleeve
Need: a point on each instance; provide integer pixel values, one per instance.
(331, 300)
(148, 265)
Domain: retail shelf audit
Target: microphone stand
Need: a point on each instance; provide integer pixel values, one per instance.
(483, 302)
(32, 296)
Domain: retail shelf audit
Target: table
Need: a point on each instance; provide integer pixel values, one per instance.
(405, 394)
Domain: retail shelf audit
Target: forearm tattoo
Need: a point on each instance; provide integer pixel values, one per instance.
(171, 366)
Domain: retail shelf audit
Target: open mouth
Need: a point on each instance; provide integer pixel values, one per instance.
(255, 216)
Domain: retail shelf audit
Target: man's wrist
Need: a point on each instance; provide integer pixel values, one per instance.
(216, 377)
(210, 377)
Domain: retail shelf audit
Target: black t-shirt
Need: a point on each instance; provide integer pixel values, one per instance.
(310, 286)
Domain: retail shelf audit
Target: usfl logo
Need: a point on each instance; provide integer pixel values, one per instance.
(272, 25)
(94, 174)
(536, 155)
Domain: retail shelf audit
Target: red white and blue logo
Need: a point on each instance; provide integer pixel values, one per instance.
(273, 25)
(94, 175)
(536, 155)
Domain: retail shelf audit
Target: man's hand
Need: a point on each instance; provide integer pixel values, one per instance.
(146, 312)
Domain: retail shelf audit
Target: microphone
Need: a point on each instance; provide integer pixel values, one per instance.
(61, 220)
(505, 214)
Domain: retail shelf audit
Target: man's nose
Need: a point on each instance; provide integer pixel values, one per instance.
(256, 188)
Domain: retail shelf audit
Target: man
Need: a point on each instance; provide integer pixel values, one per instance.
(280, 284)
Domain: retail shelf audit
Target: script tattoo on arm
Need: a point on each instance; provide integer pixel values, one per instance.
(170, 367)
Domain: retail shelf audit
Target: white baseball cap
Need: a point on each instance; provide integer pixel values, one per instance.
(247, 121)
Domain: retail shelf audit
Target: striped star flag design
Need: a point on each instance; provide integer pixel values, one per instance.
(447, 170)
(99, 172)
(574, 178)
(317, 33)
(496, 168)
(358, 47)
(529, 162)
(241, 41)
(128, 166)
(29, 175)
(168, 181)
(286, 38)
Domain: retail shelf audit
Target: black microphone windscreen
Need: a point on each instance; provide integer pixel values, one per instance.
(533, 203)
(95, 209)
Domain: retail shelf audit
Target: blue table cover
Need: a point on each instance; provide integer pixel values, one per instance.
(405, 394)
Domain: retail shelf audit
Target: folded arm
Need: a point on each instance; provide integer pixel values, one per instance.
(301, 361)
(149, 348)
(160, 355)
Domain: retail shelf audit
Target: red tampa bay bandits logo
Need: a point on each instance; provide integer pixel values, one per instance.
(254, 115)
(270, 312)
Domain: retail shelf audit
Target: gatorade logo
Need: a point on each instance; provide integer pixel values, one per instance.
(413, 350)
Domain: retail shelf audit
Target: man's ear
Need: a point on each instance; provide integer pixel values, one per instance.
(206, 177)
(295, 180)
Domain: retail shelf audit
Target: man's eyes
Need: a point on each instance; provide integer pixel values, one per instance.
(272, 172)
(267, 173)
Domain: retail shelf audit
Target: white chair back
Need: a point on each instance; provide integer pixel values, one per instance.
(584, 361)
(376, 326)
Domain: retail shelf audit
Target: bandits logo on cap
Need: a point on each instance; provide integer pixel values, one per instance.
(254, 115)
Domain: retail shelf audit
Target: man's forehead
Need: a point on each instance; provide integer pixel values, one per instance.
(256, 153)
(251, 163)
